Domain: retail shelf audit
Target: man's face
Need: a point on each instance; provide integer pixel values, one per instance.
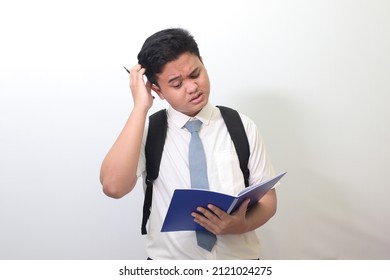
(184, 83)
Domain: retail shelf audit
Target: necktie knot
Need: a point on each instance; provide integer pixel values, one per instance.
(193, 126)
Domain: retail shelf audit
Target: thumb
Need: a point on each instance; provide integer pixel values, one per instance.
(243, 207)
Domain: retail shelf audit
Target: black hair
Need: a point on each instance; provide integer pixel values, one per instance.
(163, 47)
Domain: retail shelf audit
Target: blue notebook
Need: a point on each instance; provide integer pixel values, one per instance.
(185, 201)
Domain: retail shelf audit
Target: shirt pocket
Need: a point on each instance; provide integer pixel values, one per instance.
(229, 178)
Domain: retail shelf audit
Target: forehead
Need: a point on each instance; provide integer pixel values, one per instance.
(182, 66)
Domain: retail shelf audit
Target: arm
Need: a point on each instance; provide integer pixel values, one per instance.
(118, 173)
(219, 222)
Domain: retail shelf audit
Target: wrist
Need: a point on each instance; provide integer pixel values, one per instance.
(140, 110)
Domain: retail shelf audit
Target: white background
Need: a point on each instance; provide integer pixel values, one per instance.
(314, 75)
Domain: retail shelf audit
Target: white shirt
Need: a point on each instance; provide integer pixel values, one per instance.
(224, 175)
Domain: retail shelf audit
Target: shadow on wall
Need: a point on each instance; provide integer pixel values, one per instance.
(312, 221)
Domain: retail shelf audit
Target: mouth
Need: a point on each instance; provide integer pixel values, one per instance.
(198, 97)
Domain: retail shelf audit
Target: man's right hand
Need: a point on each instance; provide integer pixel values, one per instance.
(140, 90)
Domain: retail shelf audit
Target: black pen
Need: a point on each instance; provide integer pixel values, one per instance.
(127, 70)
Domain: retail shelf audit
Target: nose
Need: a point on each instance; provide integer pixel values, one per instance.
(191, 87)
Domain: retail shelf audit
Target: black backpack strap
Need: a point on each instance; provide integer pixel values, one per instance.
(154, 146)
(240, 140)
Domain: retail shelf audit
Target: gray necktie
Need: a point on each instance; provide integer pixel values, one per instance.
(198, 175)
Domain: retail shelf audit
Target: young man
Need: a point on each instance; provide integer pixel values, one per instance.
(171, 61)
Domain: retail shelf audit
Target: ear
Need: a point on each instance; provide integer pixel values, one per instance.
(157, 90)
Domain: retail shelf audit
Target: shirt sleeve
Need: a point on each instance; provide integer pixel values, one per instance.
(260, 165)
(141, 167)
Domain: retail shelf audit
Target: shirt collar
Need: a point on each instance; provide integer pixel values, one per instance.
(181, 119)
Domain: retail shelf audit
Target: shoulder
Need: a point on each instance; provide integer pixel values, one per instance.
(248, 123)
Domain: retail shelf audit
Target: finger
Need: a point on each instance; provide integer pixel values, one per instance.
(141, 72)
(204, 222)
(135, 68)
(216, 211)
(243, 207)
(210, 214)
(134, 72)
(199, 218)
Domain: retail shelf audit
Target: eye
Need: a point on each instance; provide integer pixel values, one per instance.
(178, 85)
(195, 75)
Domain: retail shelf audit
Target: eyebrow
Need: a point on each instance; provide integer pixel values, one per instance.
(173, 79)
(178, 77)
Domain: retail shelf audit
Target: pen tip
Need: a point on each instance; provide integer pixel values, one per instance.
(127, 70)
